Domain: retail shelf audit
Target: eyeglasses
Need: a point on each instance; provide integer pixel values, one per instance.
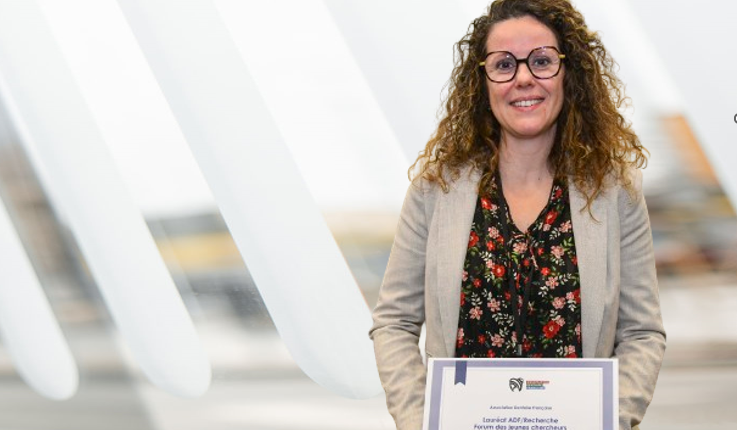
(543, 62)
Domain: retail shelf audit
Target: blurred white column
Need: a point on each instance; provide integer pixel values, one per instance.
(109, 228)
(320, 101)
(28, 327)
(132, 115)
(405, 51)
(293, 259)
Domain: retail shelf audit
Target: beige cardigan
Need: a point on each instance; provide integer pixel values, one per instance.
(620, 307)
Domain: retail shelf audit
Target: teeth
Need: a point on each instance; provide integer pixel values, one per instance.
(527, 103)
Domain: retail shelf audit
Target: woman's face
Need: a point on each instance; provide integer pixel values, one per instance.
(526, 107)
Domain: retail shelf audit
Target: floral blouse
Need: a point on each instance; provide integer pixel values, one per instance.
(543, 266)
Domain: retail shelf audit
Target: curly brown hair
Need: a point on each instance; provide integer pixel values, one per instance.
(593, 141)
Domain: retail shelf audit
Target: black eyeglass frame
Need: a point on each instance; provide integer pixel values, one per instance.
(526, 61)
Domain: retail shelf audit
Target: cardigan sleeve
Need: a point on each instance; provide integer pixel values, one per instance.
(640, 336)
(400, 313)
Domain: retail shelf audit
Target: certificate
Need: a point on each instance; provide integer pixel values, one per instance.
(521, 394)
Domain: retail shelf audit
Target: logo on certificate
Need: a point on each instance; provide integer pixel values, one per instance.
(516, 384)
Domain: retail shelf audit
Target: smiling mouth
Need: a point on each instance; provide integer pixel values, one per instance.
(527, 103)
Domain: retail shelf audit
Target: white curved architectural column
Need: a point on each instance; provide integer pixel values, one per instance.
(292, 257)
(325, 111)
(28, 327)
(129, 110)
(81, 176)
(405, 51)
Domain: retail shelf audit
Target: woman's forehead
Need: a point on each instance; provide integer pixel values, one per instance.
(519, 36)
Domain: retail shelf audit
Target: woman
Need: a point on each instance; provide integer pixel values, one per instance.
(525, 215)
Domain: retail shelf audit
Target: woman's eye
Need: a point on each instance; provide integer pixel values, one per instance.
(505, 65)
(539, 62)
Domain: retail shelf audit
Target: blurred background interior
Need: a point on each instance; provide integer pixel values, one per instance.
(355, 103)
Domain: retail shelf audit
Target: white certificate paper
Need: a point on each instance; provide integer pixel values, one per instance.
(521, 394)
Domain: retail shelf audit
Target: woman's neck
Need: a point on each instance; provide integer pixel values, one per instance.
(526, 178)
(525, 162)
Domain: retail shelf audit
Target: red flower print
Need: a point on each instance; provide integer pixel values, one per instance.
(545, 271)
(485, 203)
(550, 217)
(477, 283)
(574, 296)
(482, 338)
(463, 299)
(473, 240)
(551, 329)
(498, 270)
(490, 246)
(460, 337)
(558, 193)
(570, 351)
(490, 354)
(574, 260)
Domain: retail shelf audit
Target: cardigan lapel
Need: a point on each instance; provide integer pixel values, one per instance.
(454, 218)
(590, 236)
